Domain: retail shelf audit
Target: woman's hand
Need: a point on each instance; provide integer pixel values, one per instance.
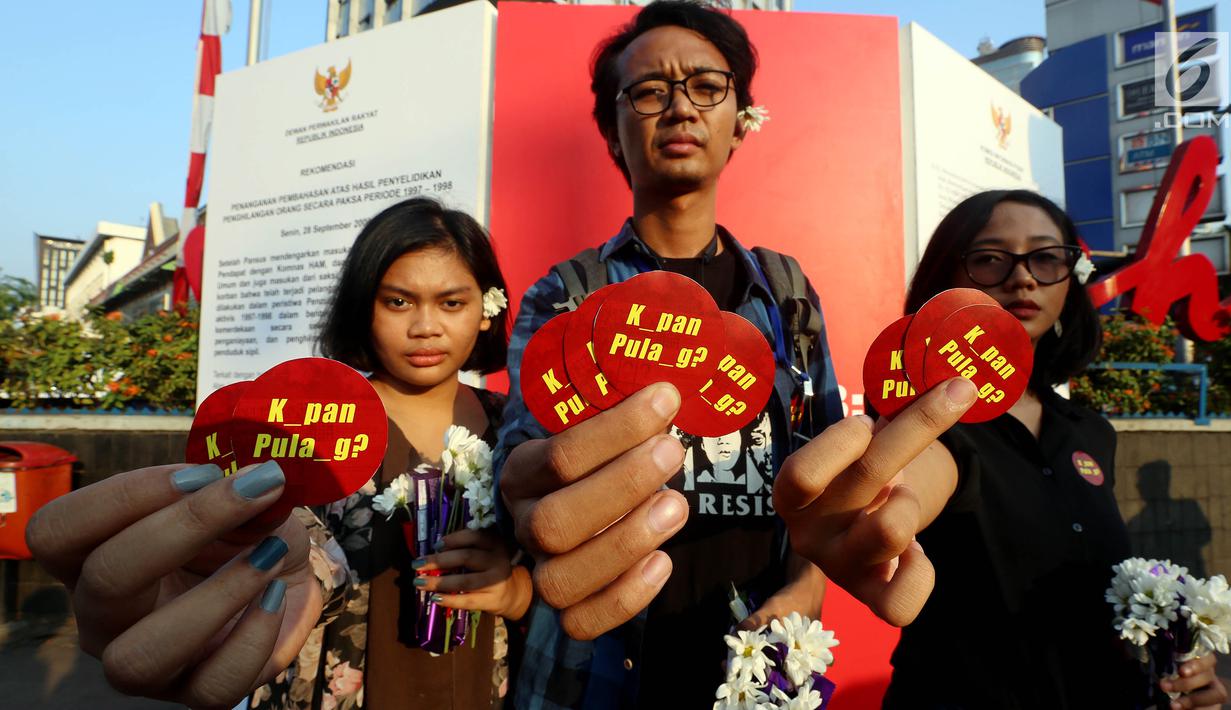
(177, 602)
(491, 582)
(1201, 688)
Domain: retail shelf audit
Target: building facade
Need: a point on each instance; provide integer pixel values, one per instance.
(114, 250)
(54, 259)
(1098, 83)
(348, 17)
(1013, 60)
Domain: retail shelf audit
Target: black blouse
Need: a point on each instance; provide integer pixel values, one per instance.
(1023, 554)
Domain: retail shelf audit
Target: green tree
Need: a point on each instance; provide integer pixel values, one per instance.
(16, 295)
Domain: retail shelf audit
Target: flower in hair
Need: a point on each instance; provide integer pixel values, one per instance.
(752, 117)
(1083, 268)
(494, 301)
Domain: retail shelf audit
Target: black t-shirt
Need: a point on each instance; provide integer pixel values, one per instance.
(682, 647)
(1023, 555)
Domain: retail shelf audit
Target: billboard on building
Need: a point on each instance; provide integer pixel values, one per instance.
(965, 132)
(306, 147)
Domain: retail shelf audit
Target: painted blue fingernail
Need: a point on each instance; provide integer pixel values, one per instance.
(271, 600)
(260, 480)
(420, 581)
(418, 563)
(439, 545)
(267, 554)
(194, 478)
(436, 599)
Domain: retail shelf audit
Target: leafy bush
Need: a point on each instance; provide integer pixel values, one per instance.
(1127, 339)
(106, 361)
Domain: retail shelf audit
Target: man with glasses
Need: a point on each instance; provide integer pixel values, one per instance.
(619, 622)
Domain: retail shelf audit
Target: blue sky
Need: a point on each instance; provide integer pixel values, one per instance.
(99, 98)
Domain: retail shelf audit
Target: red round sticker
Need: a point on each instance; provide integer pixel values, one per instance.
(928, 319)
(579, 360)
(738, 391)
(1088, 468)
(885, 386)
(321, 421)
(545, 385)
(209, 440)
(658, 327)
(988, 346)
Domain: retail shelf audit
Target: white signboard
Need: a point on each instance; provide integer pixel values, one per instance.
(964, 132)
(307, 147)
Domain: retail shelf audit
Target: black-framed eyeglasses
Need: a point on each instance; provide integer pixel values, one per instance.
(705, 89)
(1049, 265)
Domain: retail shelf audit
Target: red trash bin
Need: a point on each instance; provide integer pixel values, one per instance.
(31, 474)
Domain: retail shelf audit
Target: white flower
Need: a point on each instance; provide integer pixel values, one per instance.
(739, 694)
(1207, 608)
(1135, 631)
(1083, 268)
(458, 443)
(805, 698)
(752, 117)
(397, 495)
(478, 493)
(747, 655)
(494, 301)
(807, 643)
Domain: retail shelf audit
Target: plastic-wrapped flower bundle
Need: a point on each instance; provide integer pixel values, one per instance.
(779, 665)
(1168, 616)
(442, 500)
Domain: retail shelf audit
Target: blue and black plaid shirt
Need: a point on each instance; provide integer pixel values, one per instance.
(556, 671)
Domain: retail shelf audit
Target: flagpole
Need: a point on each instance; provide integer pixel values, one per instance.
(254, 32)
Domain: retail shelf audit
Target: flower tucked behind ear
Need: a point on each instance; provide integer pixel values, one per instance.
(1083, 268)
(751, 117)
(494, 301)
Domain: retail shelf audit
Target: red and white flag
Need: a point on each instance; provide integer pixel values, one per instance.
(215, 21)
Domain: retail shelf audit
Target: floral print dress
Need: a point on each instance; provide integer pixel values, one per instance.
(329, 671)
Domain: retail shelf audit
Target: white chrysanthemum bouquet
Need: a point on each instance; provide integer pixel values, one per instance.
(1167, 615)
(439, 501)
(780, 665)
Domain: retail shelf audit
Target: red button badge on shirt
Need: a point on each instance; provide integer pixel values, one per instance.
(1088, 468)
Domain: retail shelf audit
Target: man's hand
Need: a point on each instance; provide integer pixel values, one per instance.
(587, 505)
(844, 514)
(177, 603)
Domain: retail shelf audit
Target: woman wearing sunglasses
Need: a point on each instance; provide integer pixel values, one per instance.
(1024, 528)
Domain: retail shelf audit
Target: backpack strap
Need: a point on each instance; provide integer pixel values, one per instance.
(582, 275)
(800, 319)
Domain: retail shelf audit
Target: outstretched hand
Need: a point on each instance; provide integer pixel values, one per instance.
(178, 600)
(848, 513)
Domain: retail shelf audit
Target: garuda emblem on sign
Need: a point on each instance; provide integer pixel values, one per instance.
(1003, 122)
(329, 87)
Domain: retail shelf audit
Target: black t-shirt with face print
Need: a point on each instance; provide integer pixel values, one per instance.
(729, 537)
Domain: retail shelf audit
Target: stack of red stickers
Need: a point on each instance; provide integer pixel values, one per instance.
(960, 332)
(319, 419)
(655, 327)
